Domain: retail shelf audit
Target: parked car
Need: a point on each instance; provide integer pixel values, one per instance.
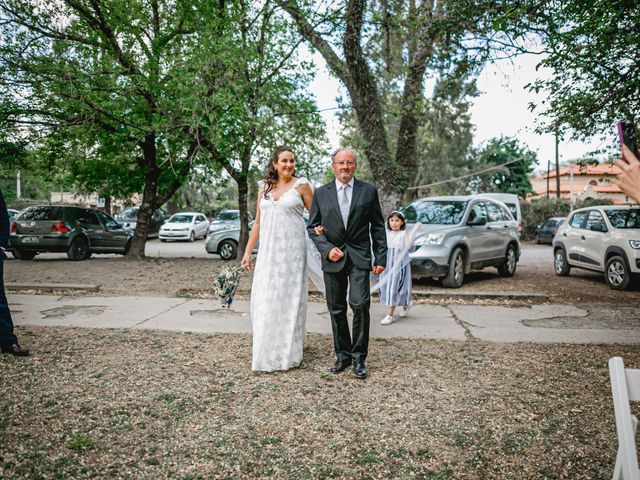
(13, 214)
(227, 219)
(225, 242)
(77, 231)
(547, 230)
(603, 239)
(512, 202)
(128, 218)
(184, 226)
(460, 234)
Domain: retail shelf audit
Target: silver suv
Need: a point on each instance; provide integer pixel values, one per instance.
(602, 238)
(460, 234)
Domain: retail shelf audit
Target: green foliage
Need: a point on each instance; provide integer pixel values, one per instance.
(534, 213)
(512, 178)
(592, 50)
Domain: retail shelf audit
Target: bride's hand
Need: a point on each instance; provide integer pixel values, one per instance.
(319, 230)
(246, 262)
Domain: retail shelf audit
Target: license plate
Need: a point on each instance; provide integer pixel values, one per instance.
(29, 239)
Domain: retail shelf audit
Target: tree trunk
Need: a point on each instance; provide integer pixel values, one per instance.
(243, 198)
(149, 198)
(107, 204)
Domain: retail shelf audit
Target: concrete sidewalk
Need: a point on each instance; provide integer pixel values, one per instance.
(539, 323)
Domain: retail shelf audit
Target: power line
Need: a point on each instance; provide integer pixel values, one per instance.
(467, 175)
(307, 112)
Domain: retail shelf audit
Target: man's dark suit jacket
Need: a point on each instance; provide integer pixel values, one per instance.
(365, 225)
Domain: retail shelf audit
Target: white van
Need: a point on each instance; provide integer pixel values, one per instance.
(512, 202)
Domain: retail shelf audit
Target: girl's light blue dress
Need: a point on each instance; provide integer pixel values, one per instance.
(396, 280)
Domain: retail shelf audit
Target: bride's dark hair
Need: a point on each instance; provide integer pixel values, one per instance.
(270, 172)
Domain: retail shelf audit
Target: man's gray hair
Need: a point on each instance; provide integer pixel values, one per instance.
(349, 150)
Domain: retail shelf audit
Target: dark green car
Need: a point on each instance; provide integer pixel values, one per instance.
(77, 231)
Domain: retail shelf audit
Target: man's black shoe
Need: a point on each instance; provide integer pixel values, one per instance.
(360, 370)
(340, 365)
(15, 349)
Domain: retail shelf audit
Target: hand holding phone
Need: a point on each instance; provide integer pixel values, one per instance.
(628, 136)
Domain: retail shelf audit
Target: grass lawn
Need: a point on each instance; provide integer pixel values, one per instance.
(138, 404)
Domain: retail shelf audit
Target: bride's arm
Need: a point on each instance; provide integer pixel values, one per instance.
(306, 192)
(254, 235)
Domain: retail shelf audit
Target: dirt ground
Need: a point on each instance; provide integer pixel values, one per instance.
(193, 277)
(148, 404)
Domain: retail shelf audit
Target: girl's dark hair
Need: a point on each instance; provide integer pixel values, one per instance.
(270, 172)
(399, 216)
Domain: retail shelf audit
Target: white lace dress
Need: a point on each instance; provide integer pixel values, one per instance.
(280, 283)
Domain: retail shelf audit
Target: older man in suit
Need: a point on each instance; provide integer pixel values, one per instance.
(8, 341)
(349, 212)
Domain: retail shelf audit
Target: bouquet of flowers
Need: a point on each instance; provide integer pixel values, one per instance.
(225, 284)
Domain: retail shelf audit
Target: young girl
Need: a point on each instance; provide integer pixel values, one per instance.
(395, 281)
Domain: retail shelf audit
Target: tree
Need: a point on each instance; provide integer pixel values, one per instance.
(267, 104)
(137, 93)
(99, 78)
(444, 139)
(428, 34)
(514, 176)
(592, 50)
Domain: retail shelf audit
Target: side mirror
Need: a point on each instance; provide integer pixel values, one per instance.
(598, 227)
(477, 222)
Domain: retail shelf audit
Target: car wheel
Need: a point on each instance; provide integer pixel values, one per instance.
(228, 250)
(560, 264)
(455, 275)
(508, 267)
(127, 247)
(23, 254)
(617, 274)
(192, 236)
(79, 249)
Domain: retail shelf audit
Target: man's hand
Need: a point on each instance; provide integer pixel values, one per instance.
(377, 269)
(335, 254)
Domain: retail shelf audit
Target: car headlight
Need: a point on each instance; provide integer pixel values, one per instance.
(634, 244)
(430, 239)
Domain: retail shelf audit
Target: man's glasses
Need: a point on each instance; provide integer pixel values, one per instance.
(348, 163)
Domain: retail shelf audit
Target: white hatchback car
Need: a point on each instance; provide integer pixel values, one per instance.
(603, 238)
(184, 226)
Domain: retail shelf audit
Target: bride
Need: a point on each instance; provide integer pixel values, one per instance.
(280, 281)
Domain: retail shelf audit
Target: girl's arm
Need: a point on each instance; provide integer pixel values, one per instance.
(409, 238)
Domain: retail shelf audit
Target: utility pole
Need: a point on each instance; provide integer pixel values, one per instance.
(557, 167)
(18, 189)
(571, 185)
(548, 171)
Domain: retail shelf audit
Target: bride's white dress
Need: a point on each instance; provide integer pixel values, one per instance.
(280, 283)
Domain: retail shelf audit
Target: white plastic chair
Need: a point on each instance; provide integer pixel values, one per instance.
(625, 388)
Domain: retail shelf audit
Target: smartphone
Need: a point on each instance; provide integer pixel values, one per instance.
(627, 135)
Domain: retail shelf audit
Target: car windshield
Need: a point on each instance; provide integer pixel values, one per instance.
(129, 213)
(439, 212)
(624, 218)
(181, 219)
(229, 216)
(42, 213)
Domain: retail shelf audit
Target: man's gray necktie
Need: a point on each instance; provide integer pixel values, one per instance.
(343, 199)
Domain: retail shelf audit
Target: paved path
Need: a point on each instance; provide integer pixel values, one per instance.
(539, 323)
